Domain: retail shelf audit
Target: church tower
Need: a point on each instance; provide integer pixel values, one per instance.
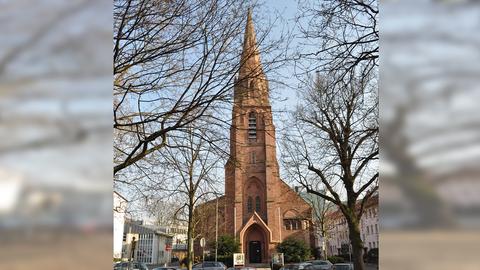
(257, 202)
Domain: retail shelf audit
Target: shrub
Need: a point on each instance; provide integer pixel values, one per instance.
(227, 245)
(294, 250)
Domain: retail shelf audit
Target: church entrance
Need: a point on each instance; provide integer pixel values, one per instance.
(254, 246)
(255, 252)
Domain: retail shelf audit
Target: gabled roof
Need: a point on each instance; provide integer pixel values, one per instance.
(256, 219)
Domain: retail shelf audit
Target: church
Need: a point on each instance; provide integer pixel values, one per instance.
(258, 208)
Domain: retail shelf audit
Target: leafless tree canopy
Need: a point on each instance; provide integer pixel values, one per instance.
(335, 136)
(173, 60)
(338, 35)
(193, 163)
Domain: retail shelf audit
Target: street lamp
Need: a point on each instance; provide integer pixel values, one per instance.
(216, 228)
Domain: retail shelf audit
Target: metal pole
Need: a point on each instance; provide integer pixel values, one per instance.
(216, 231)
(350, 251)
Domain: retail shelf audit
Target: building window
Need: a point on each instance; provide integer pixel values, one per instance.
(368, 230)
(252, 126)
(249, 204)
(292, 224)
(257, 204)
(288, 225)
(376, 228)
(253, 157)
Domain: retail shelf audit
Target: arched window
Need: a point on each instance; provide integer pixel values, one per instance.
(257, 203)
(252, 126)
(249, 204)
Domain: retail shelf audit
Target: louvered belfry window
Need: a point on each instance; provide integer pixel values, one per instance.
(252, 126)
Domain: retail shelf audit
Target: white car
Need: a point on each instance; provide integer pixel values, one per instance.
(297, 266)
(321, 264)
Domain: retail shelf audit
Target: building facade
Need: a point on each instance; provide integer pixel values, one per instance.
(338, 241)
(147, 244)
(179, 241)
(258, 209)
(319, 209)
(119, 208)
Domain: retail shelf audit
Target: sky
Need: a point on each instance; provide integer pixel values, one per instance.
(282, 99)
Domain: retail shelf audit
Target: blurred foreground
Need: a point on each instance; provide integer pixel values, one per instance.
(430, 135)
(55, 135)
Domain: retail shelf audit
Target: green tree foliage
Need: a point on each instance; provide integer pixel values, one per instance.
(294, 250)
(227, 245)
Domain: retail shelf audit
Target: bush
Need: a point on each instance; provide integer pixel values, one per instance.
(294, 250)
(336, 259)
(227, 245)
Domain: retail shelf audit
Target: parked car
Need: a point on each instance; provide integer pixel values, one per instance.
(242, 268)
(297, 266)
(210, 266)
(130, 266)
(321, 264)
(343, 266)
(165, 268)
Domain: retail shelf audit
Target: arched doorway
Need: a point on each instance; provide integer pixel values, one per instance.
(255, 244)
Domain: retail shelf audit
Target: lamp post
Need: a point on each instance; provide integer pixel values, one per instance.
(202, 244)
(216, 229)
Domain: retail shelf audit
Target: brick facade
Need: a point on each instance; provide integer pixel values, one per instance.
(258, 208)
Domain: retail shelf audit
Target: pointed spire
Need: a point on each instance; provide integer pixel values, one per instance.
(250, 60)
(251, 85)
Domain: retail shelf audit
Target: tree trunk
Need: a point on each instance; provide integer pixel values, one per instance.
(357, 244)
(190, 239)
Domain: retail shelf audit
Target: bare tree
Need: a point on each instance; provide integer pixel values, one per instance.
(321, 222)
(192, 164)
(338, 35)
(173, 62)
(320, 218)
(335, 136)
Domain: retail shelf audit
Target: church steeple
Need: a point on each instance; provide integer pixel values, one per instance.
(250, 61)
(252, 82)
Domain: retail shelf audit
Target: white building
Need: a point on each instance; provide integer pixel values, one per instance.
(338, 237)
(180, 237)
(145, 243)
(119, 208)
